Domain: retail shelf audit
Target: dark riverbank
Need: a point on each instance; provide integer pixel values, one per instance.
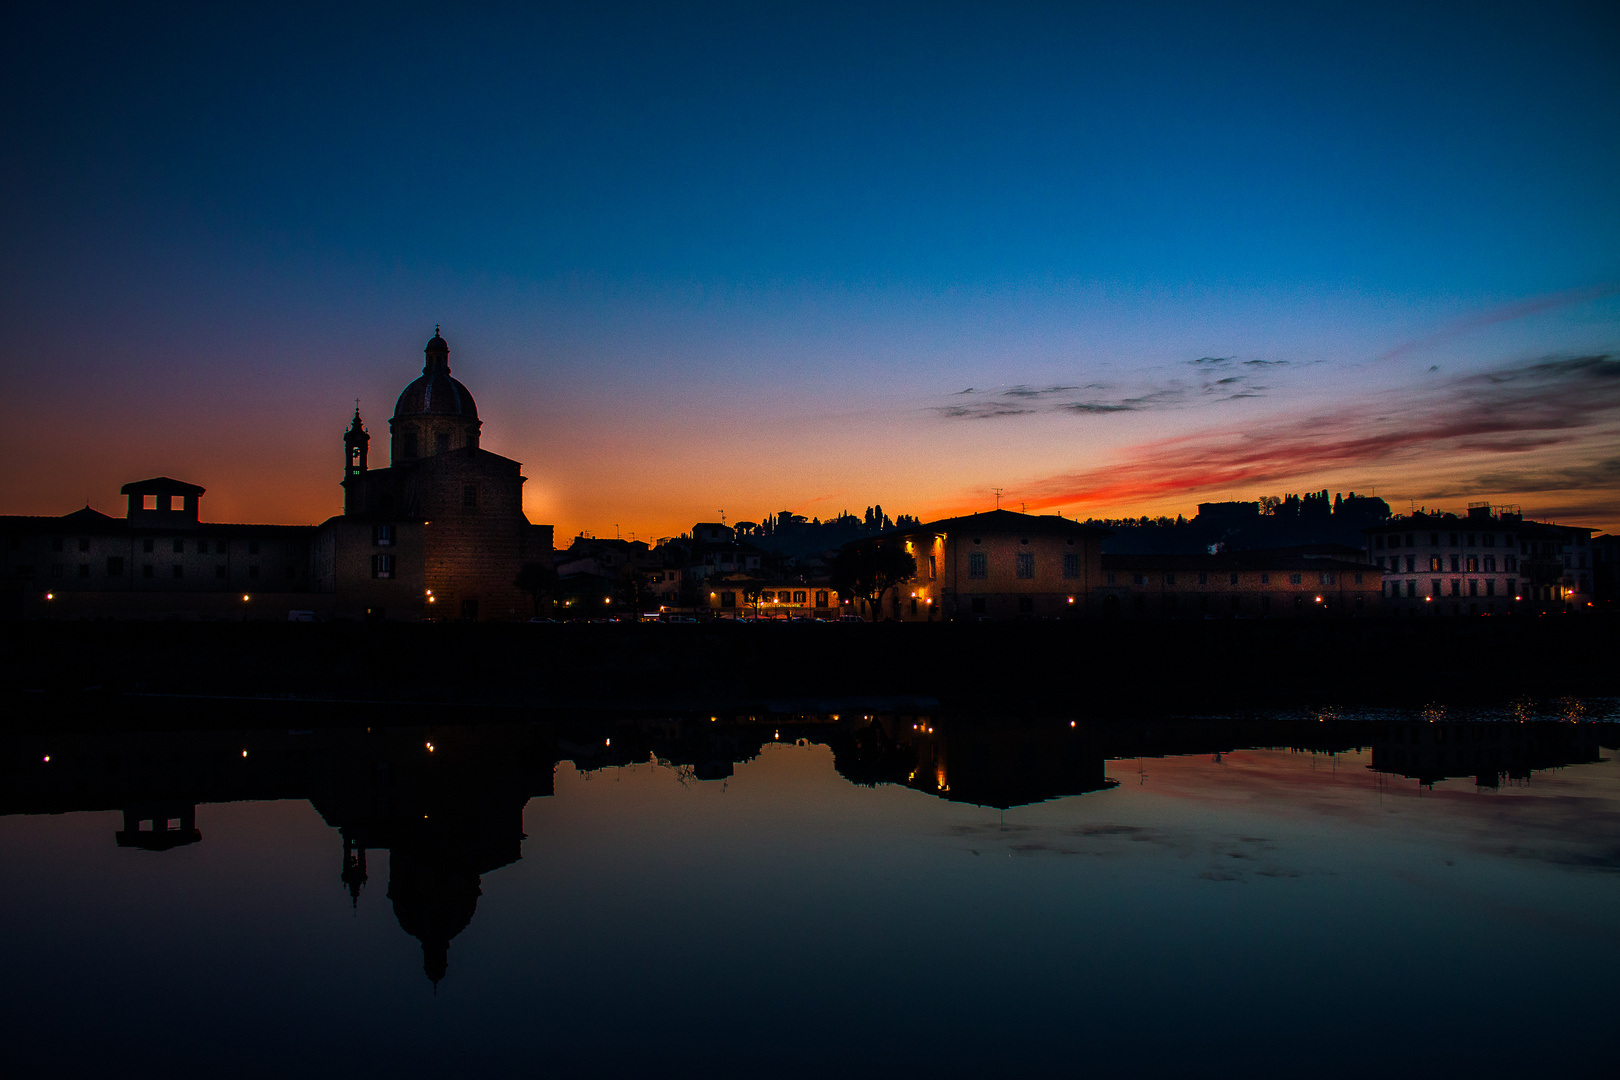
(1084, 669)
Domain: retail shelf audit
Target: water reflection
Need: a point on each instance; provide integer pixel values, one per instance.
(447, 801)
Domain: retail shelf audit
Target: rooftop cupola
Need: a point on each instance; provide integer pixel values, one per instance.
(162, 503)
(435, 414)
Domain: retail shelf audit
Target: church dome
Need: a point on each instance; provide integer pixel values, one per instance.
(436, 393)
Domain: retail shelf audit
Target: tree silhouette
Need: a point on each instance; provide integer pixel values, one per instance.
(867, 571)
(538, 580)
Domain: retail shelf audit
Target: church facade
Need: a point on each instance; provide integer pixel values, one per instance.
(437, 533)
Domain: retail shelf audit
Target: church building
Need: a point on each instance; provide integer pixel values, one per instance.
(440, 531)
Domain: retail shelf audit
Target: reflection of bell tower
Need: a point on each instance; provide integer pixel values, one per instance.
(355, 442)
(354, 868)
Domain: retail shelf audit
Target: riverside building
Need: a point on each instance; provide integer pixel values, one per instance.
(438, 533)
(1489, 561)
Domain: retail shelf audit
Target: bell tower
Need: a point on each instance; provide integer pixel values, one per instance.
(355, 443)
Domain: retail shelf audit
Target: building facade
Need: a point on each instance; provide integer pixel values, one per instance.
(996, 565)
(1488, 562)
(1244, 584)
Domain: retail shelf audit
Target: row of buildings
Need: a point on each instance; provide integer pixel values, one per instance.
(439, 532)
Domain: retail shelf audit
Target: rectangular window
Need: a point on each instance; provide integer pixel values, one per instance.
(253, 547)
(1411, 590)
(115, 566)
(914, 605)
(1434, 587)
(1293, 579)
(179, 546)
(1203, 577)
(1490, 539)
(769, 596)
(441, 443)
(56, 543)
(798, 597)
(1394, 589)
(1434, 539)
(1138, 579)
(382, 566)
(1265, 579)
(178, 571)
(1473, 564)
(1456, 586)
(1490, 564)
(1358, 577)
(84, 543)
(1473, 586)
(469, 497)
(1513, 587)
(1026, 564)
(1434, 563)
(383, 536)
(933, 567)
(728, 599)
(1234, 580)
(56, 569)
(1071, 566)
(220, 571)
(821, 598)
(1453, 539)
(1170, 577)
(1109, 577)
(1411, 564)
(1327, 577)
(220, 547)
(146, 570)
(146, 545)
(978, 565)
(148, 502)
(1490, 586)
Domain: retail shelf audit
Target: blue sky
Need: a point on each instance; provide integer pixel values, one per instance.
(741, 257)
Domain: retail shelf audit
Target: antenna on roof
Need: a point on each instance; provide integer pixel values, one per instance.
(998, 497)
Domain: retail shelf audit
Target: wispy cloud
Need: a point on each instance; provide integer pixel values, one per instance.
(1215, 385)
(1570, 402)
(1506, 313)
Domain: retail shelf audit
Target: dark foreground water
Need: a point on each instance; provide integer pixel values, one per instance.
(518, 900)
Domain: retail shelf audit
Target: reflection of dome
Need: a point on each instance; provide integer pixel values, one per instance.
(433, 902)
(436, 393)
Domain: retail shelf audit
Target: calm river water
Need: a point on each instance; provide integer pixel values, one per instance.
(725, 897)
